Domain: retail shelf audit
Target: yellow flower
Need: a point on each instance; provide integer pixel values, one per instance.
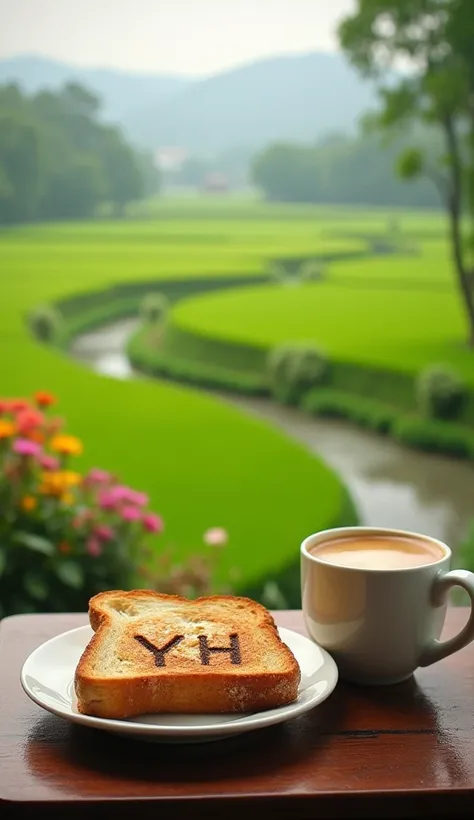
(66, 445)
(28, 503)
(67, 498)
(58, 482)
(7, 428)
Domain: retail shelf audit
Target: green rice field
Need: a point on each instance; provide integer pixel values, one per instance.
(202, 462)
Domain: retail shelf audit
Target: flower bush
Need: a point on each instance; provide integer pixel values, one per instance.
(65, 536)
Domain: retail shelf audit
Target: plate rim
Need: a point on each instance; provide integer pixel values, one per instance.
(248, 722)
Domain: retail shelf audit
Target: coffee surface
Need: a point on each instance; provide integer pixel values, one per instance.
(378, 552)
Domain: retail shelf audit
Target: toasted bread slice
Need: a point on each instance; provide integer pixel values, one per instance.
(154, 653)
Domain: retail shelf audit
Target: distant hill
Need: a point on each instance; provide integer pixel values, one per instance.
(121, 92)
(293, 98)
(301, 97)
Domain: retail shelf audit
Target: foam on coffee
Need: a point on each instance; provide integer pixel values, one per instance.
(380, 552)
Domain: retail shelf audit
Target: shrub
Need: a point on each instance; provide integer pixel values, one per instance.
(336, 404)
(45, 322)
(154, 308)
(435, 436)
(441, 394)
(293, 369)
(311, 271)
(66, 536)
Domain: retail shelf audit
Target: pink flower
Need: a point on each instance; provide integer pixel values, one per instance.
(113, 497)
(48, 462)
(122, 493)
(103, 532)
(140, 499)
(96, 476)
(130, 513)
(94, 547)
(216, 537)
(25, 447)
(107, 500)
(152, 523)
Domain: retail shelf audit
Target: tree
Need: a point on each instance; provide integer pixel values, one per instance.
(57, 160)
(342, 169)
(124, 181)
(434, 40)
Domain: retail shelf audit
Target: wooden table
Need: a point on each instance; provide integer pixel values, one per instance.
(400, 751)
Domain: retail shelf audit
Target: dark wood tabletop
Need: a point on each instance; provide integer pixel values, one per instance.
(398, 751)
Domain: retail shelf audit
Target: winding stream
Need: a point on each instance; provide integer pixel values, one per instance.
(391, 485)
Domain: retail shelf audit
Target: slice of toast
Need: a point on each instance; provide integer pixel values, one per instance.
(154, 653)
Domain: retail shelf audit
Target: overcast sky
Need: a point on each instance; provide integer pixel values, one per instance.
(194, 37)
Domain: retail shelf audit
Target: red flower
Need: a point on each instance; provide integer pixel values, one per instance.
(29, 420)
(44, 399)
(17, 405)
(13, 405)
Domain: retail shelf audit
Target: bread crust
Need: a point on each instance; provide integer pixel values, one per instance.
(261, 674)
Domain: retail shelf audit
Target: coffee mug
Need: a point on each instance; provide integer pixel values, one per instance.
(380, 625)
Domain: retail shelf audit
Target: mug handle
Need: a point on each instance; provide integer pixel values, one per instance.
(437, 650)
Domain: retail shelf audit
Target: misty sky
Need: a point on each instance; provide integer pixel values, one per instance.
(195, 37)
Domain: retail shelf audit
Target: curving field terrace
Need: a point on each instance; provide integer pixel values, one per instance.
(202, 462)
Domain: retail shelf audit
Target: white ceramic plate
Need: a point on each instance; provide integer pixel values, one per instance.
(48, 673)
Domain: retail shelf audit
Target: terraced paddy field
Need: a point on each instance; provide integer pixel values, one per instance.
(398, 314)
(202, 462)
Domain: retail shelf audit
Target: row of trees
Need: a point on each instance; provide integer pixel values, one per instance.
(340, 169)
(58, 160)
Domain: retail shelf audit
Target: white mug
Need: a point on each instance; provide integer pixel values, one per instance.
(380, 625)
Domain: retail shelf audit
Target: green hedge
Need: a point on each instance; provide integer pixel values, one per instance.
(173, 289)
(414, 431)
(435, 436)
(95, 317)
(154, 362)
(336, 404)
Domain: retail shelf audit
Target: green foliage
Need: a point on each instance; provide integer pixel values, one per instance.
(154, 308)
(435, 436)
(337, 404)
(63, 536)
(45, 323)
(342, 169)
(410, 163)
(441, 393)
(433, 37)
(293, 369)
(58, 160)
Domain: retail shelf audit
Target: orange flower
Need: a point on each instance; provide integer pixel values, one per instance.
(7, 429)
(35, 435)
(66, 445)
(28, 503)
(64, 547)
(44, 399)
(67, 498)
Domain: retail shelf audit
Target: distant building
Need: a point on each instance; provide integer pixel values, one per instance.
(171, 158)
(216, 183)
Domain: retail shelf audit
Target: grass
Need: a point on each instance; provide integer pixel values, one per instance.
(202, 462)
